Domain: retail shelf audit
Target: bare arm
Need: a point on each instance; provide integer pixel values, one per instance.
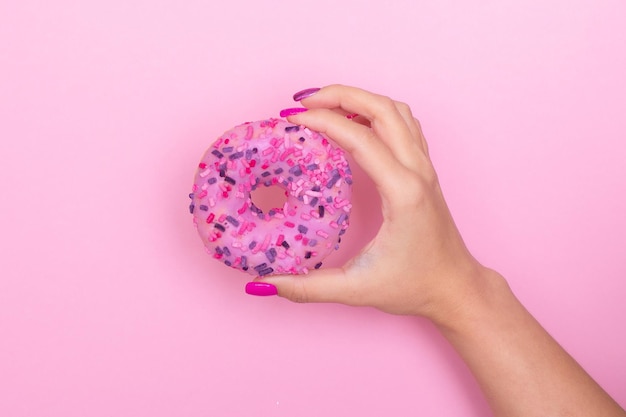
(418, 265)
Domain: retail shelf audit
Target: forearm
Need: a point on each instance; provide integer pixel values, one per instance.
(521, 369)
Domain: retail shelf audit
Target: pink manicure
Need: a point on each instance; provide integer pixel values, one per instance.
(292, 111)
(261, 288)
(301, 95)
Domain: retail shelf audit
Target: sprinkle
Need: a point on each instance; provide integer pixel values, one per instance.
(284, 244)
(313, 243)
(191, 207)
(212, 180)
(332, 181)
(307, 254)
(271, 255)
(302, 229)
(314, 201)
(278, 171)
(236, 155)
(210, 218)
(301, 139)
(232, 220)
(226, 251)
(220, 227)
(205, 173)
(260, 266)
(342, 218)
(313, 193)
(252, 244)
(292, 128)
(320, 210)
(204, 207)
(244, 262)
(217, 153)
(289, 224)
(266, 271)
(318, 265)
(230, 180)
(227, 149)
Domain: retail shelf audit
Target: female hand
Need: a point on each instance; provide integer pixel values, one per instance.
(417, 263)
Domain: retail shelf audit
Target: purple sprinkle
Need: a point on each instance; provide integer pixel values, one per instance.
(244, 262)
(236, 155)
(313, 243)
(267, 183)
(191, 207)
(303, 229)
(284, 244)
(252, 244)
(342, 231)
(227, 149)
(292, 128)
(307, 255)
(248, 154)
(348, 180)
(312, 167)
(204, 207)
(230, 180)
(220, 227)
(218, 250)
(329, 199)
(212, 180)
(222, 172)
(191, 195)
(217, 153)
(318, 265)
(265, 174)
(314, 201)
(301, 139)
(342, 218)
(227, 262)
(278, 171)
(333, 181)
(295, 170)
(266, 271)
(320, 210)
(232, 221)
(270, 257)
(260, 266)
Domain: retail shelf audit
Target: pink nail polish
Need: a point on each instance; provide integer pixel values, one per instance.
(260, 288)
(301, 95)
(292, 111)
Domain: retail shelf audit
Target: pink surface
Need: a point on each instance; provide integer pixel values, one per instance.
(108, 303)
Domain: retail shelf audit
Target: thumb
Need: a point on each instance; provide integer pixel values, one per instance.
(320, 286)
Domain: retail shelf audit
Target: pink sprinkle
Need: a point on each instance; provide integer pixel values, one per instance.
(289, 224)
(222, 218)
(267, 151)
(249, 132)
(305, 270)
(298, 260)
(202, 194)
(342, 203)
(305, 216)
(298, 237)
(243, 208)
(211, 202)
(280, 240)
(322, 233)
(334, 225)
(243, 228)
(266, 242)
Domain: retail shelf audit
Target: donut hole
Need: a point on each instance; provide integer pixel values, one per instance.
(267, 198)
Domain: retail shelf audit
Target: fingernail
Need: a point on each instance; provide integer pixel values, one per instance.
(260, 288)
(301, 95)
(292, 111)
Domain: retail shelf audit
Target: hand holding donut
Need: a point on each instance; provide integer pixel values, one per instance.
(417, 264)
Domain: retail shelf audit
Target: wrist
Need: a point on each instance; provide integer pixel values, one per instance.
(476, 297)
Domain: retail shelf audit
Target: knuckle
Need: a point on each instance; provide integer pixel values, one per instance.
(298, 293)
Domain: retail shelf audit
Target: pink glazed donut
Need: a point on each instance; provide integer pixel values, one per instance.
(292, 239)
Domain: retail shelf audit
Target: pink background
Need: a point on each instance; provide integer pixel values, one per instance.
(109, 305)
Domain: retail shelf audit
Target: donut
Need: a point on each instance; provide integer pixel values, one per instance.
(292, 239)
